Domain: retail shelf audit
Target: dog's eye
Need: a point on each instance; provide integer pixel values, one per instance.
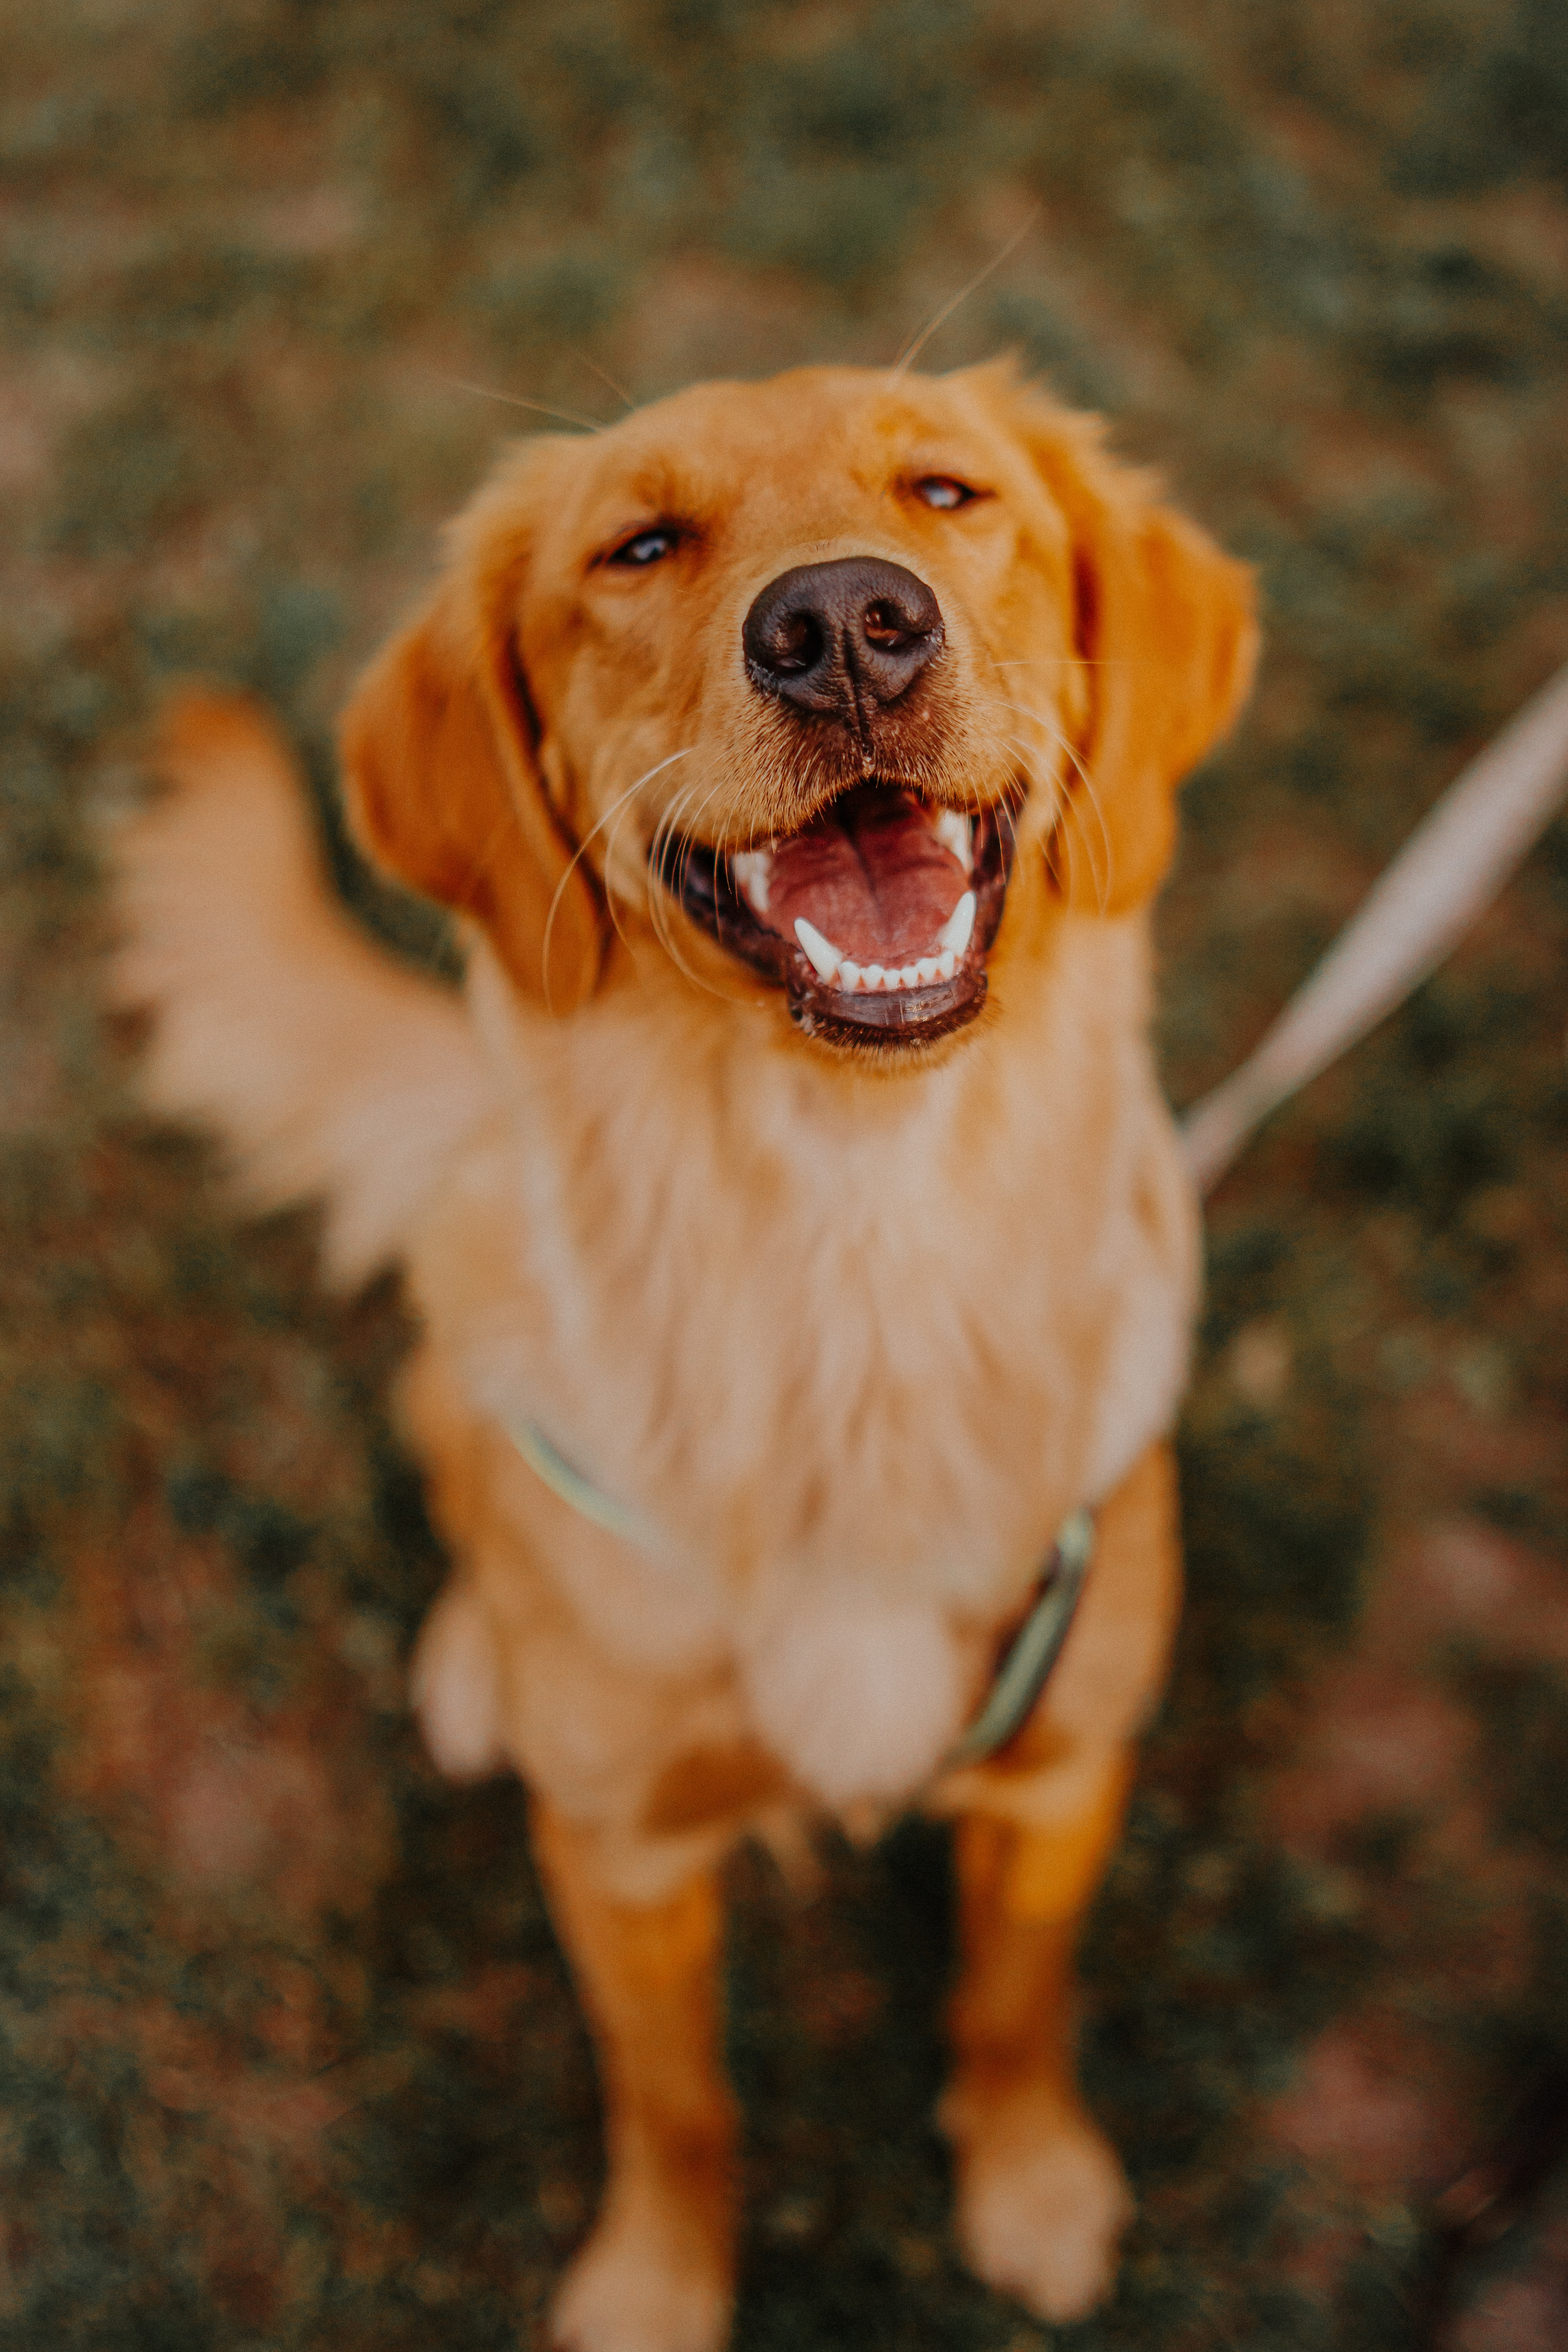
(944, 490)
(644, 547)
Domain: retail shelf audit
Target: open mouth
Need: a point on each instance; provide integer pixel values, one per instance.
(876, 916)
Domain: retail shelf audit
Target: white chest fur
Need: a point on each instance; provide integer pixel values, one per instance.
(855, 1351)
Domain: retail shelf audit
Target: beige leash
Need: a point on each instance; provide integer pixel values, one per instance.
(1451, 867)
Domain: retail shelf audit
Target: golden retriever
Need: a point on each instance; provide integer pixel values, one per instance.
(797, 1230)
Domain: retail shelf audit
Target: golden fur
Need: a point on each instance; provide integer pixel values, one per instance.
(850, 1332)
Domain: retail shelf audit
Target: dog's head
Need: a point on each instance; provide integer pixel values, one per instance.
(794, 677)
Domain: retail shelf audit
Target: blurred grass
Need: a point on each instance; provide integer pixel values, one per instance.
(288, 2056)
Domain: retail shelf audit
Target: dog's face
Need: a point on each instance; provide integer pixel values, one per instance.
(792, 677)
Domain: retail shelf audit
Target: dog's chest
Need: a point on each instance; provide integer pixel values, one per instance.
(849, 1354)
(827, 1343)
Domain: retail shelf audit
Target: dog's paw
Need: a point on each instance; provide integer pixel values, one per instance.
(1042, 2204)
(643, 2283)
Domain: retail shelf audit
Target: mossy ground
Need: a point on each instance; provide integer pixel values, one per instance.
(288, 2056)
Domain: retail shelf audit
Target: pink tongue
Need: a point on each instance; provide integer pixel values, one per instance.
(871, 875)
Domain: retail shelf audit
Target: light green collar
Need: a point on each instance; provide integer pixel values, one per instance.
(585, 1497)
(1030, 1655)
(1035, 1647)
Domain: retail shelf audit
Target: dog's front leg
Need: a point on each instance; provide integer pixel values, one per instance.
(657, 2273)
(1041, 2199)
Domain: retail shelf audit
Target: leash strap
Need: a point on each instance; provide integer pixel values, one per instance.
(1032, 1653)
(1452, 867)
(1034, 1649)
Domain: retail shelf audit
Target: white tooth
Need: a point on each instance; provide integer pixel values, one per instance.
(890, 978)
(911, 976)
(824, 957)
(946, 964)
(958, 929)
(872, 976)
(926, 970)
(956, 832)
(848, 975)
(752, 868)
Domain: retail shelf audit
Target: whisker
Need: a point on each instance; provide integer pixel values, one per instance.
(604, 375)
(688, 843)
(1055, 733)
(997, 702)
(1000, 702)
(659, 898)
(667, 825)
(656, 850)
(1062, 661)
(515, 400)
(1004, 815)
(912, 350)
(560, 890)
(1102, 887)
(685, 865)
(617, 807)
(1069, 810)
(1029, 751)
(662, 903)
(610, 892)
(667, 900)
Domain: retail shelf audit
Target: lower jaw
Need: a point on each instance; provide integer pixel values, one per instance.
(909, 1019)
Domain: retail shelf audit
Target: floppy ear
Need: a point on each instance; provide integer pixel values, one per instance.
(445, 792)
(1165, 625)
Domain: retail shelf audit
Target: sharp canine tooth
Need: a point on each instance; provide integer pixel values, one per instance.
(946, 964)
(824, 956)
(959, 928)
(957, 831)
(751, 868)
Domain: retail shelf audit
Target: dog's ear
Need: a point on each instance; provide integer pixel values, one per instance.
(1165, 625)
(445, 791)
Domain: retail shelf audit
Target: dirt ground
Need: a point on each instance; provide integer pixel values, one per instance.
(288, 2056)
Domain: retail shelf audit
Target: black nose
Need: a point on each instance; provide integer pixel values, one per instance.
(836, 637)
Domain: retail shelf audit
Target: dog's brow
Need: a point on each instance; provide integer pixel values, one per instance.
(653, 486)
